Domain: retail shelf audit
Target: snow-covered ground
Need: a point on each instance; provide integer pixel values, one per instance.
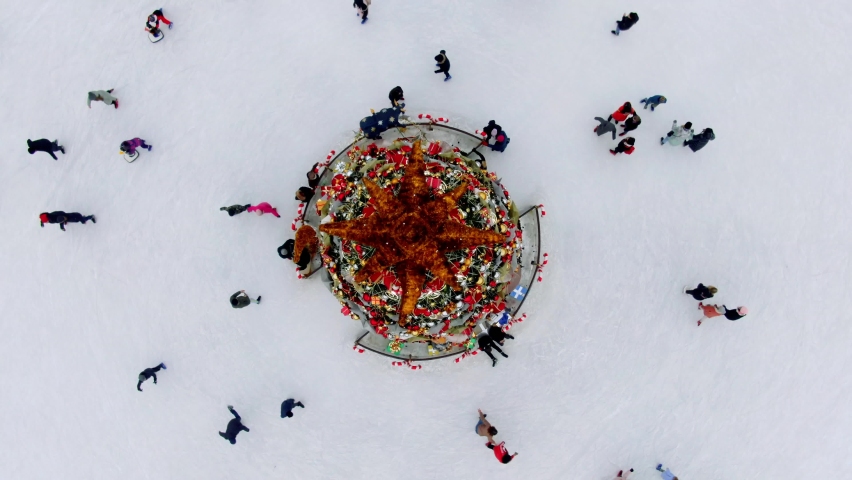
(609, 372)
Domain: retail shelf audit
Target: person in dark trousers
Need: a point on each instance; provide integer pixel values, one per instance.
(235, 209)
(129, 146)
(631, 124)
(153, 22)
(485, 429)
(45, 145)
(240, 299)
(653, 102)
(624, 146)
(313, 177)
(491, 131)
(287, 407)
(625, 23)
(498, 335)
(699, 141)
(363, 9)
(443, 64)
(304, 194)
(396, 96)
(622, 113)
(148, 373)
(102, 96)
(63, 218)
(737, 314)
(501, 453)
(701, 292)
(286, 251)
(486, 343)
(604, 127)
(235, 426)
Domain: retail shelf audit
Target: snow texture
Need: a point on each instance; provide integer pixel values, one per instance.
(609, 371)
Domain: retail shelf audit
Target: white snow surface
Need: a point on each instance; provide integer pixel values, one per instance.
(610, 370)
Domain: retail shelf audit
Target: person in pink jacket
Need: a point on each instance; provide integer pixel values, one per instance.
(262, 208)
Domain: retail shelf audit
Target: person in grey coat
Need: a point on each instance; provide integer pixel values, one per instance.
(678, 134)
(698, 142)
(102, 96)
(240, 299)
(604, 127)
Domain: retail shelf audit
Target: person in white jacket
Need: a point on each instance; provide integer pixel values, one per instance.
(678, 135)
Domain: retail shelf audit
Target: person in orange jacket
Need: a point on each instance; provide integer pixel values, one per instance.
(622, 113)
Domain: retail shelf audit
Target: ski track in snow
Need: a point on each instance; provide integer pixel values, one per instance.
(609, 371)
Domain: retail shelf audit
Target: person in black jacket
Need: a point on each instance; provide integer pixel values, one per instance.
(443, 65)
(287, 407)
(701, 292)
(486, 343)
(286, 251)
(235, 426)
(491, 131)
(45, 145)
(625, 146)
(631, 124)
(240, 299)
(304, 194)
(498, 335)
(313, 177)
(737, 314)
(148, 373)
(235, 209)
(625, 23)
(699, 141)
(63, 218)
(363, 10)
(396, 96)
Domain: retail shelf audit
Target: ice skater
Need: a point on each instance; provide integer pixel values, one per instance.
(667, 474)
(102, 96)
(653, 102)
(625, 146)
(625, 23)
(363, 7)
(699, 141)
(235, 426)
(631, 124)
(287, 407)
(622, 475)
(605, 127)
(304, 194)
(262, 208)
(286, 251)
(45, 145)
(235, 209)
(622, 113)
(485, 429)
(486, 344)
(701, 292)
(152, 25)
(241, 299)
(313, 177)
(498, 335)
(501, 453)
(678, 134)
(491, 131)
(443, 65)
(396, 96)
(148, 373)
(63, 218)
(735, 314)
(710, 311)
(129, 146)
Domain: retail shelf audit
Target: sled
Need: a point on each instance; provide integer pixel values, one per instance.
(156, 39)
(130, 158)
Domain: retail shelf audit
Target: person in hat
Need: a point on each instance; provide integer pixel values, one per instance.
(148, 373)
(102, 96)
(63, 218)
(501, 453)
(45, 145)
(235, 426)
(153, 22)
(699, 141)
(625, 23)
(653, 102)
(604, 127)
(241, 299)
(484, 428)
(701, 292)
(129, 146)
(262, 208)
(631, 124)
(625, 146)
(304, 194)
(443, 65)
(396, 96)
(737, 314)
(286, 251)
(235, 209)
(678, 134)
(287, 407)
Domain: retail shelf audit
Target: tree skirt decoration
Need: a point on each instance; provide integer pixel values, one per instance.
(421, 242)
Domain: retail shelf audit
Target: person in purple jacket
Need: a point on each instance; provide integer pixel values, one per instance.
(129, 146)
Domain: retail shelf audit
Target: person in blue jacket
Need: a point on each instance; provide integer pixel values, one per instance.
(287, 407)
(653, 102)
(235, 426)
(666, 474)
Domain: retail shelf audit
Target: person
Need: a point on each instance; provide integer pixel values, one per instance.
(485, 429)
(443, 65)
(102, 96)
(625, 23)
(304, 194)
(491, 131)
(263, 207)
(287, 407)
(667, 474)
(396, 96)
(501, 453)
(698, 142)
(678, 134)
(363, 9)
(710, 311)
(701, 292)
(486, 343)
(45, 145)
(63, 218)
(235, 209)
(313, 177)
(148, 373)
(129, 146)
(286, 251)
(240, 299)
(631, 124)
(235, 426)
(625, 146)
(153, 23)
(622, 113)
(653, 102)
(626, 476)
(498, 335)
(604, 127)
(737, 314)
(500, 142)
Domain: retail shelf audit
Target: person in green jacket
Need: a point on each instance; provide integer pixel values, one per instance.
(102, 96)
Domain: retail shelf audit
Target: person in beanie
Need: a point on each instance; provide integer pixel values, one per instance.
(240, 299)
(699, 141)
(624, 146)
(701, 292)
(263, 207)
(625, 23)
(395, 96)
(287, 407)
(653, 102)
(45, 145)
(363, 9)
(710, 311)
(286, 251)
(152, 25)
(235, 209)
(313, 177)
(148, 373)
(129, 146)
(304, 194)
(235, 426)
(678, 134)
(484, 428)
(667, 474)
(63, 218)
(443, 65)
(604, 127)
(622, 113)
(486, 343)
(498, 335)
(737, 314)
(501, 453)
(631, 124)
(102, 96)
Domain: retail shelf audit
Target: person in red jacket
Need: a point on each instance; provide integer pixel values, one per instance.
(500, 452)
(624, 146)
(622, 113)
(153, 23)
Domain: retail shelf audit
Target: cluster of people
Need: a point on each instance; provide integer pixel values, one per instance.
(485, 429)
(701, 293)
